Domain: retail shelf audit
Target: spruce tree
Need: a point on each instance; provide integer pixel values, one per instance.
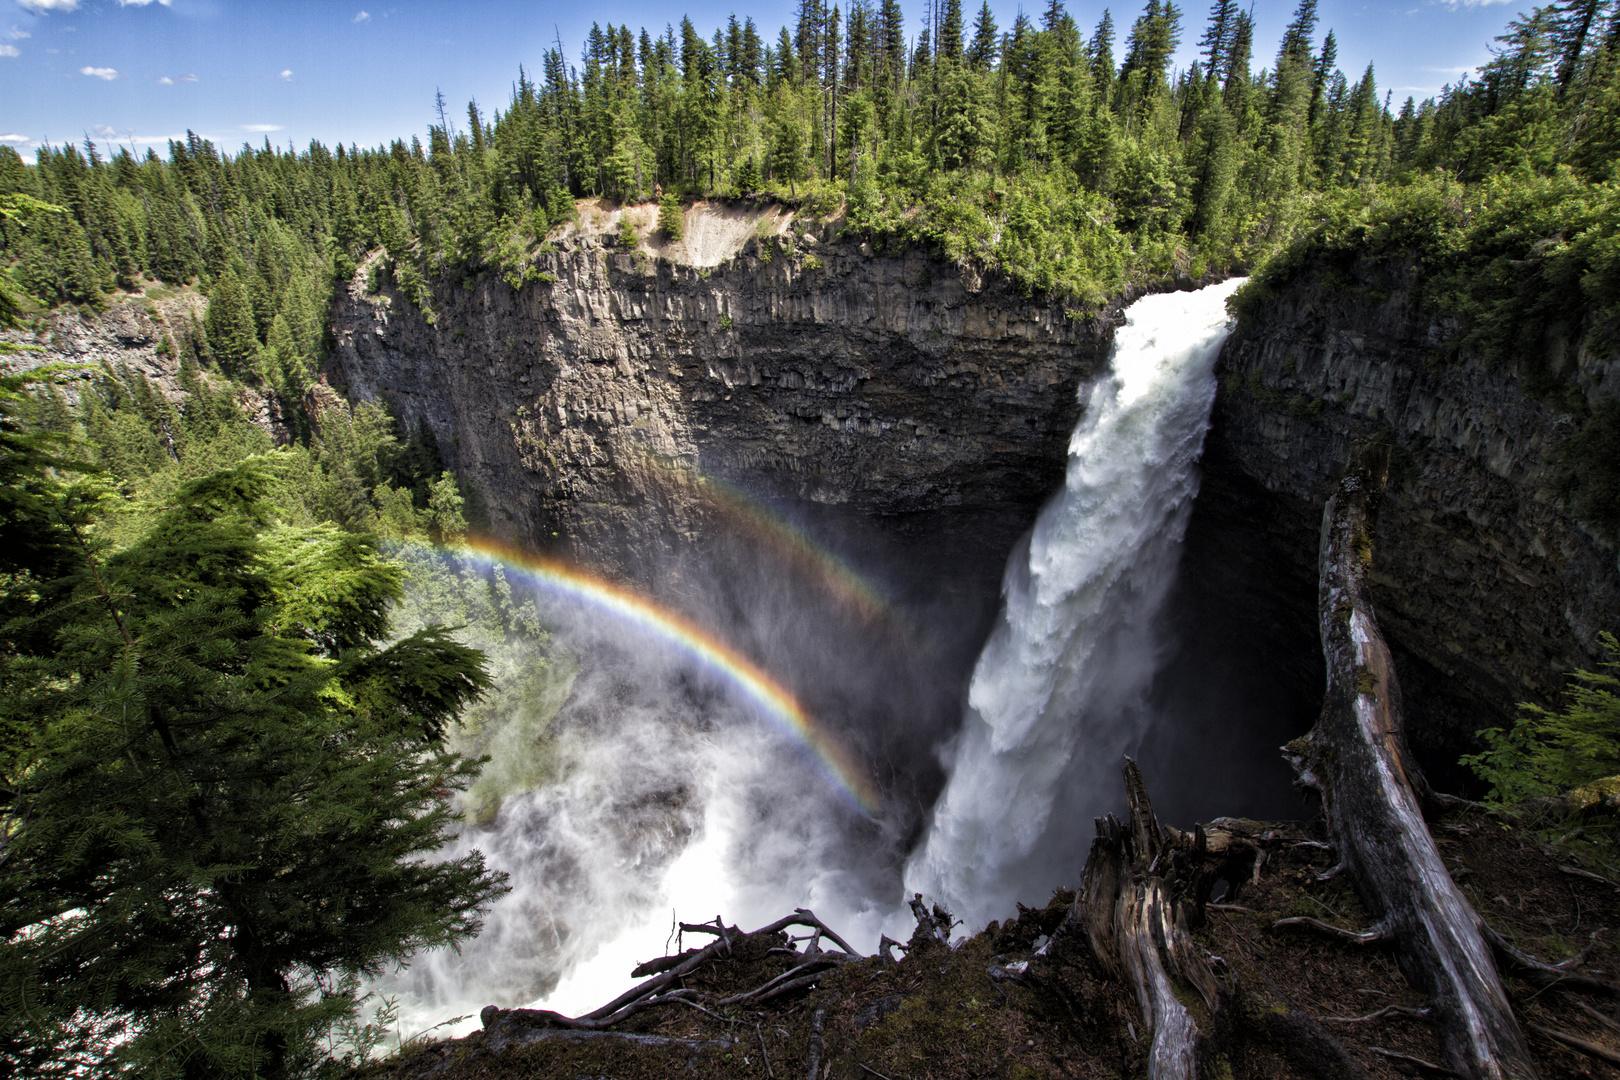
(231, 325)
(982, 53)
(950, 31)
(222, 790)
(670, 218)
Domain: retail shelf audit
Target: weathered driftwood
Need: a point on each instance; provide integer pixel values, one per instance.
(1372, 798)
(1137, 886)
(664, 989)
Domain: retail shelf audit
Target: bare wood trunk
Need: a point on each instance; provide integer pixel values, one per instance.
(1372, 796)
(1133, 901)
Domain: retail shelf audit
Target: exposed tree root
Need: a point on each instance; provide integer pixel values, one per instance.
(1560, 975)
(1590, 1049)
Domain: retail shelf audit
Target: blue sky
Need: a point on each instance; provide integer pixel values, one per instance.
(140, 71)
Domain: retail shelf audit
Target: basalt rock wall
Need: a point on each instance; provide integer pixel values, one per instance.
(1487, 588)
(585, 409)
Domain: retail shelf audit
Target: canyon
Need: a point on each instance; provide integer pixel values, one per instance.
(926, 407)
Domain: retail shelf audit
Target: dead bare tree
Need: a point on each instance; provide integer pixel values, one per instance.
(1356, 757)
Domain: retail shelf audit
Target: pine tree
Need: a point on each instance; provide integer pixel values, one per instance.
(232, 333)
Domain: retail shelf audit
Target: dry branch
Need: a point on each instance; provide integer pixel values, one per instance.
(815, 1043)
(1427, 1068)
(1373, 798)
(1590, 1049)
(1405, 1011)
(1371, 936)
(764, 1055)
(1603, 1018)
(659, 990)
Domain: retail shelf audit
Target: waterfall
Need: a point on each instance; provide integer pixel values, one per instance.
(1059, 691)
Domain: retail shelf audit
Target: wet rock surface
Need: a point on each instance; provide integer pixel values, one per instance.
(1488, 589)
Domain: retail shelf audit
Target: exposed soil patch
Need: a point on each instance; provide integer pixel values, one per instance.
(712, 231)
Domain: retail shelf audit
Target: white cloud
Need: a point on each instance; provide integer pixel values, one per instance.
(188, 78)
(165, 81)
(364, 16)
(106, 131)
(286, 75)
(17, 33)
(261, 127)
(43, 6)
(100, 73)
(10, 50)
(12, 139)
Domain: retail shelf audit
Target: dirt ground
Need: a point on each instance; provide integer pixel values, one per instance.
(959, 1013)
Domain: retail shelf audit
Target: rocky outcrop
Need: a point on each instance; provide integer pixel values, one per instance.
(1488, 590)
(127, 335)
(583, 408)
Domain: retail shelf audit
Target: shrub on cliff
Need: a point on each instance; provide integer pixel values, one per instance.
(670, 220)
(1549, 752)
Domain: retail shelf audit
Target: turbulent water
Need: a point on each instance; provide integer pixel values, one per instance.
(1059, 693)
(665, 798)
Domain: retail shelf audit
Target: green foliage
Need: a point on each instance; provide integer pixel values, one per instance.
(219, 793)
(1212, 167)
(1549, 752)
(231, 325)
(670, 218)
(747, 177)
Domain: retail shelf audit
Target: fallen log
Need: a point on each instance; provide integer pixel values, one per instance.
(507, 1031)
(1373, 797)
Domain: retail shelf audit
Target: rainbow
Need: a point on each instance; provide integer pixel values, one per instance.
(777, 704)
(840, 579)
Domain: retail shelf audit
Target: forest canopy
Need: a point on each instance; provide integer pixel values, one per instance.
(1071, 157)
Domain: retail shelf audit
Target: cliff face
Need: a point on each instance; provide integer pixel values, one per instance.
(583, 410)
(935, 408)
(1488, 589)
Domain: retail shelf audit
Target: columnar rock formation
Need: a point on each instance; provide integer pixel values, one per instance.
(907, 390)
(890, 385)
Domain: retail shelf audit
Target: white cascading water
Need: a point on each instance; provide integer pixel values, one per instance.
(1058, 694)
(665, 807)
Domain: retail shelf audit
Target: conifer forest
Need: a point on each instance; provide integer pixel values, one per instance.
(246, 683)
